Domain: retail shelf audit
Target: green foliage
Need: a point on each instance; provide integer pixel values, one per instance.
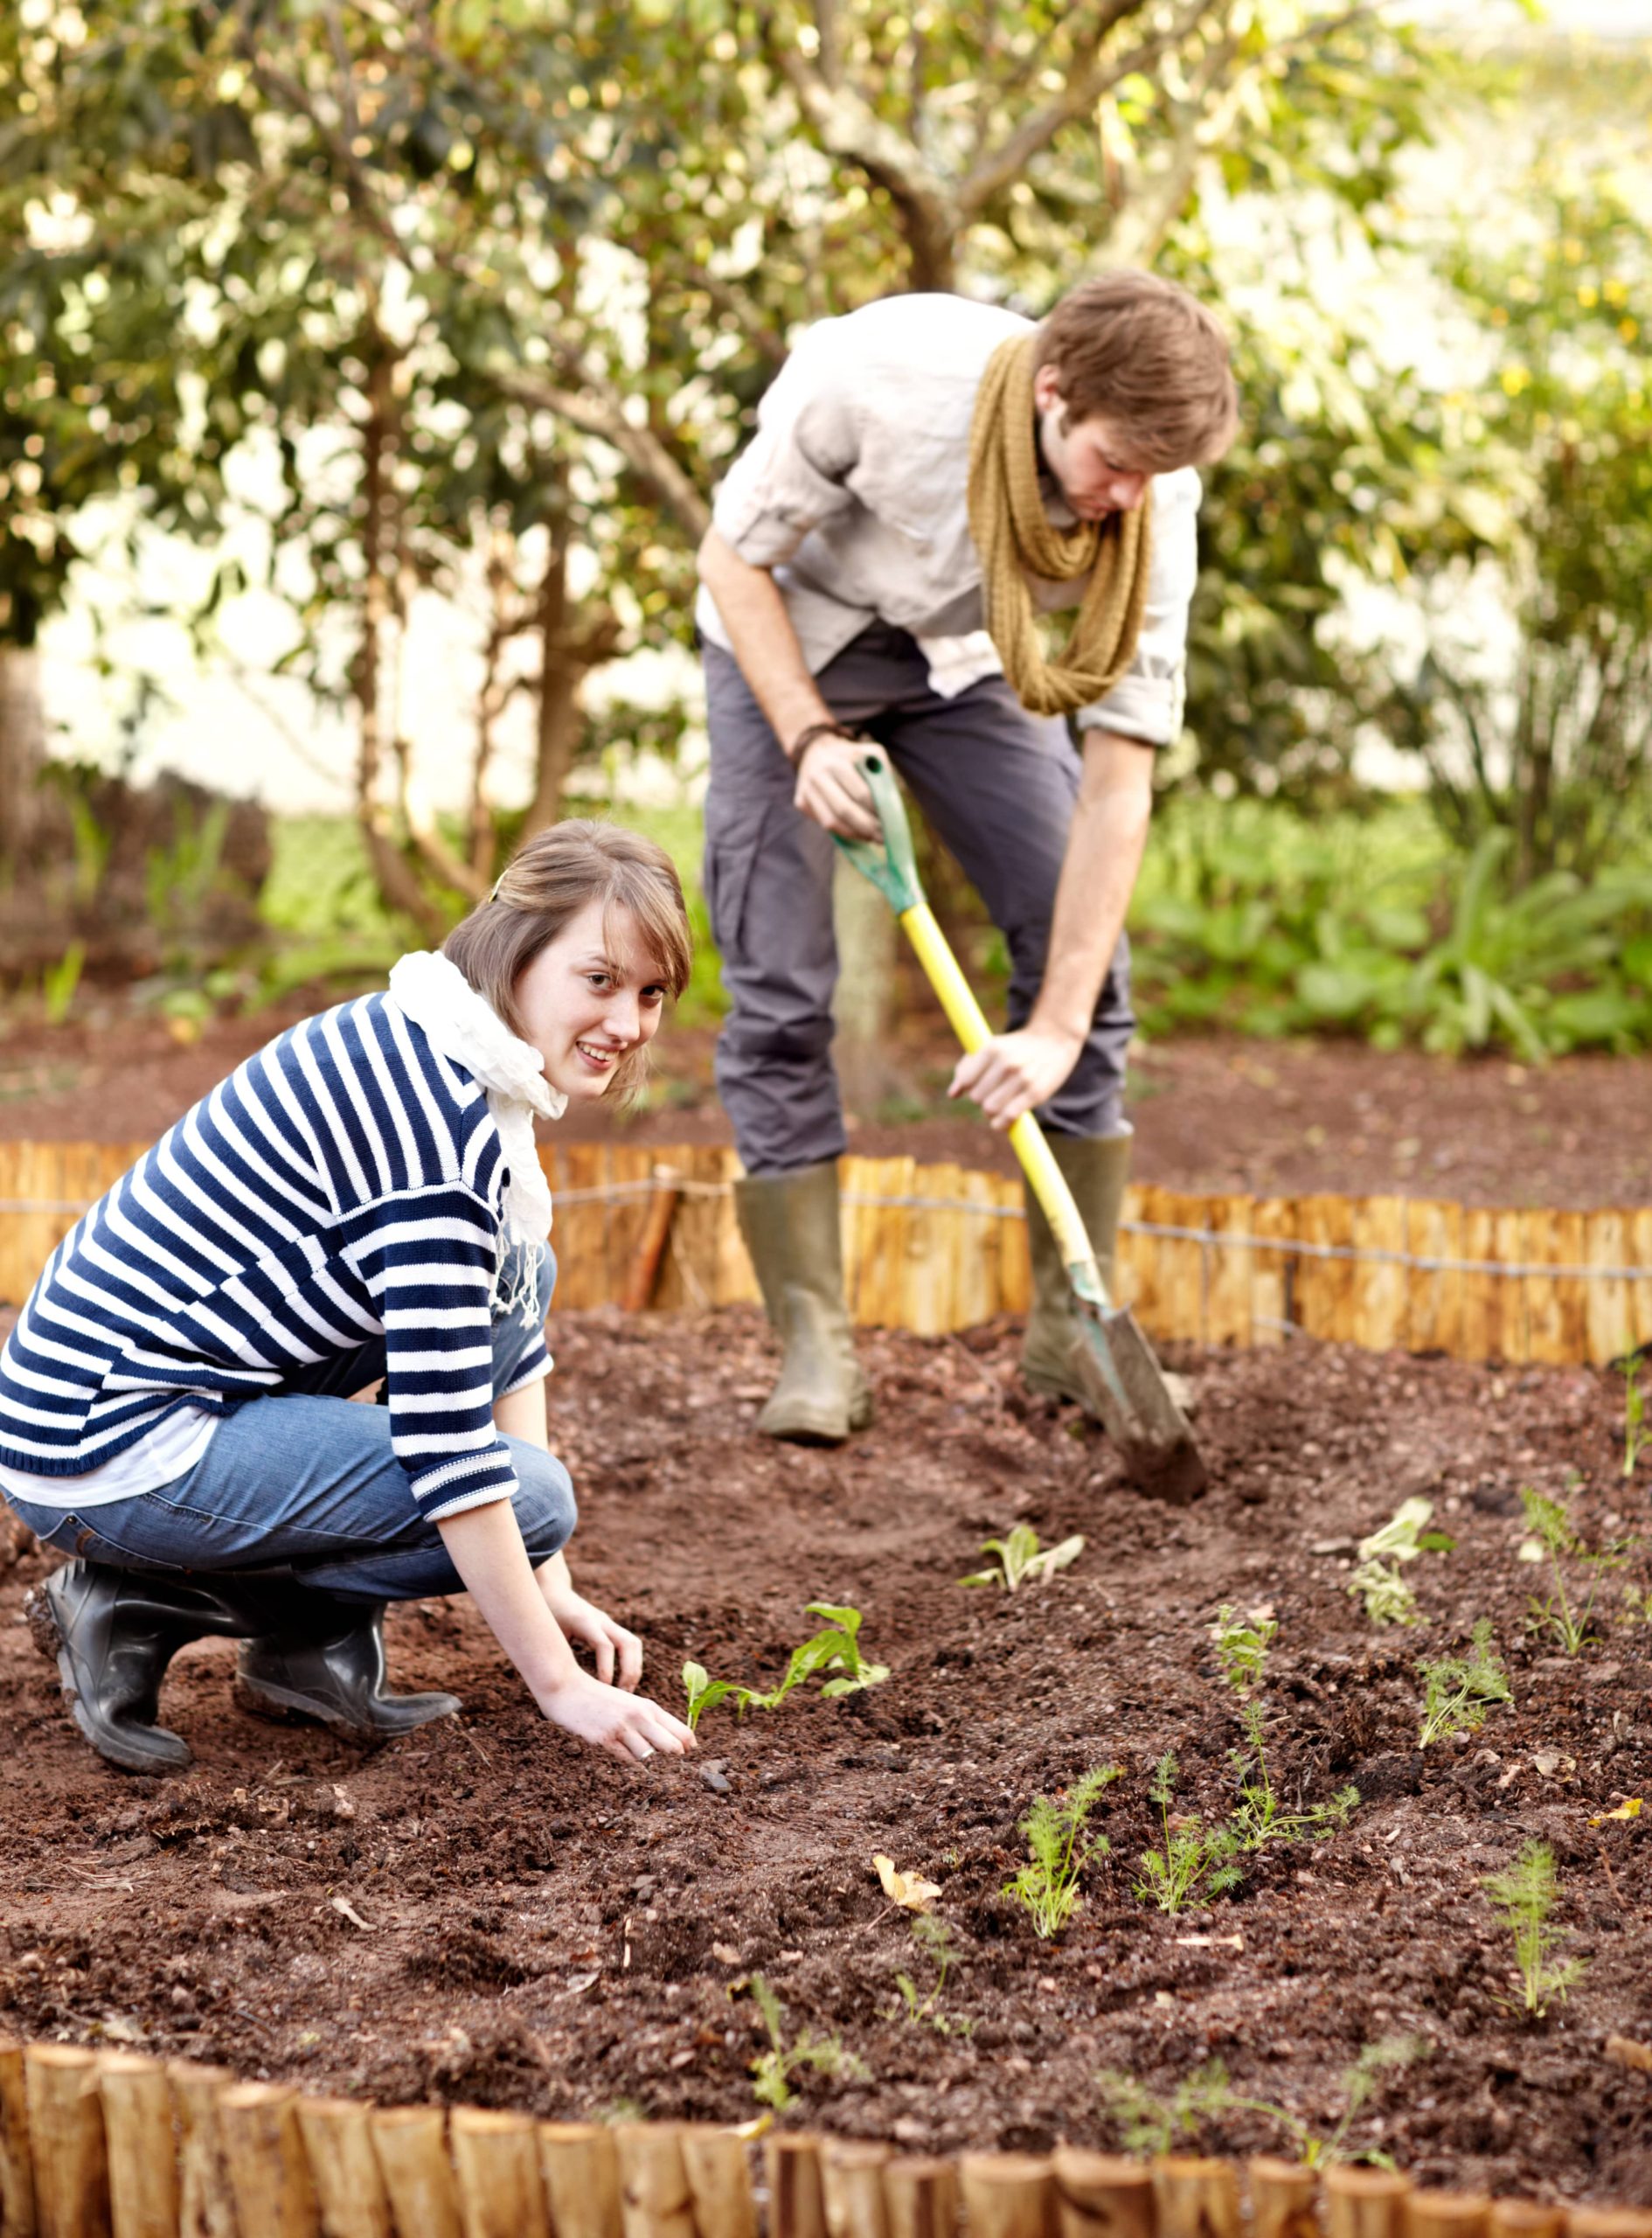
(1378, 1579)
(1242, 1644)
(1060, 1850)
(1017, 1559)
(59, 982)
(773, 2069)
(1458, 1690)
(1637, 1431)
(833, 1654)
(1259, 1818)
(1523, 1896)
(1193, 1862)
(1555, 1540)
(1151, 2124)
(933, 1938)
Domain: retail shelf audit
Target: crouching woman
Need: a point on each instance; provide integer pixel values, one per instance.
(361, 1199)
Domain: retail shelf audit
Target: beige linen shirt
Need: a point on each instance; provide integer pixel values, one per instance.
(854, 491)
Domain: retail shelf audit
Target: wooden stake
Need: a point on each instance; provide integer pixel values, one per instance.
(1379, 1283)
(852, 2183)
(796, 2203)
(920, 2197)
(1282, 2197)
(1007, 2195)
(1525, 2218)
(1197, 2197)
(264, 2153)
(66, 2136)
(1364, 2202)
(581, 2166)
(349, 2189)
(206, 2206)
(16, 2168)
(1434, 1303)
(1099, 2195)
(1271, 1278)
(495, 2166)
(1446, 2214)
(655, 2198)
(720, 2177)
(143, 2145)
(644, 1270)
(1608, 2222)
(410, 2143)
(1228, 1291)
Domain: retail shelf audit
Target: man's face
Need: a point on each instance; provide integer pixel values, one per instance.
(1092, 462)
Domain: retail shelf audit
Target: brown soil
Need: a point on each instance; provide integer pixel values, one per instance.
(530, 1924)
(1211, 1113)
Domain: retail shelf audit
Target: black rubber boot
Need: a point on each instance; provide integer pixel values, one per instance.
(112, 1632)
(326, 1662)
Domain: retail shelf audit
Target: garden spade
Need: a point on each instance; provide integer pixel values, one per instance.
(1112, 1360)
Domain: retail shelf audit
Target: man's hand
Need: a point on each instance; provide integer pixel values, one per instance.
(608, 1639)
(831, 789)
(628, 1725)
(1014, 1073)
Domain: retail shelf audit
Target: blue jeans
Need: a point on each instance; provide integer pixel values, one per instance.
(304, 1482)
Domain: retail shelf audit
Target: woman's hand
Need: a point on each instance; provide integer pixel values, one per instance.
(614, 1649)
(628, 1725)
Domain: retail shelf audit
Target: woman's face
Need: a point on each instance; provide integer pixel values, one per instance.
(590, 998)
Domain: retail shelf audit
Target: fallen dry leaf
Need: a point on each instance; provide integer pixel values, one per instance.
(909, 1890)
(726, 1954)
(342, 1906)
(1623, 2051)
(1629, 1808)
(1212, 1941)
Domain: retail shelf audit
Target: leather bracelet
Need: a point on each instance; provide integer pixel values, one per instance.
(811, 733)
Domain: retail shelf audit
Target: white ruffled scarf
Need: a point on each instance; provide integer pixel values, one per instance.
(461, 1025)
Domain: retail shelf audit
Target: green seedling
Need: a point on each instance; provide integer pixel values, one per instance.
(933, 1938)
(1523, 1896)
(1259, 1818)
(1554, 1539)
(1193, 1862)
(1150, 2124)
(1242, 1647)
(1378, 1579)
(1458, 1690)
(1637, 1604)
(834, 1651)
(1637, 1431)
(1053, 1830)
(772, 2070)
(1018, 1560)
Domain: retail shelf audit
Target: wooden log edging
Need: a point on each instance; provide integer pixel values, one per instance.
(118, 2144)
(932, 1248)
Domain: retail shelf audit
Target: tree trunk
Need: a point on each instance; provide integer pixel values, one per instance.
(22, 749)
(557, 714)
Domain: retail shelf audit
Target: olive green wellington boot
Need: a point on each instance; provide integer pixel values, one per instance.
(1096, 1171)
(789, 1222)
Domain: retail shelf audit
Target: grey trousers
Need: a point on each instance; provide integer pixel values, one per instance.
(997, 784)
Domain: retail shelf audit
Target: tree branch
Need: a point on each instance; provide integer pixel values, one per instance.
(595, 409)
(1003, 165)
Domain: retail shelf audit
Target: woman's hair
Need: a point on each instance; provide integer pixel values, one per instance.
(547, 882)
(1149, 357)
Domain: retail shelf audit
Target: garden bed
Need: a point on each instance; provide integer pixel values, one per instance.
(487, 1912)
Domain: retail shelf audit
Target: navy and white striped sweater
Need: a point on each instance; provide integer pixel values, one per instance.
(346, 1180)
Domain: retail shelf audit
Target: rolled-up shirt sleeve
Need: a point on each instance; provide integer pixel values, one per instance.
(794, 473)
(1146, 703)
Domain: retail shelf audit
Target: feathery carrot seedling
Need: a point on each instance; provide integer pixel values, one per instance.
(1378, 1579)
(1523, 1896)
(1637, 1431)
(1150, 2124)
(1193, 1862)
(834, 1651)
(1018, 1560)
(933, 1937)
(1053, 1830)
(1458, 1690)
(1554, 1539)
(1259, 1818)
(773, 2069)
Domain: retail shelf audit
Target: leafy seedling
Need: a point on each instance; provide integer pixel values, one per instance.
(933, 1938)
(1523, 1896)
(835, 1652)
(1378, 1579)
(1637, 1431)
(1054, 1832)
(1555, 1540)
(1242, 1645)
(1192, 1862)
(1459, 1690)
(1150, 2124)
(1018, 1560)
(1259, 1818)
(772, 2070)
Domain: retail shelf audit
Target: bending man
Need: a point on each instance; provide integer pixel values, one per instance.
(921, 468)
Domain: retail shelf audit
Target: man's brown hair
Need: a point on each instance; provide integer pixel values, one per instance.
(545, 885)
(1151, 360)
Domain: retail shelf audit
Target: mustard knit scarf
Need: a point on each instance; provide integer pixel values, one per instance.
(1014, 538)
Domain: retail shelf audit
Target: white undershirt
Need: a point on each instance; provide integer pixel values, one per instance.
(159, 1457)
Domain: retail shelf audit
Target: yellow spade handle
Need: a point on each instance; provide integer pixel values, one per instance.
(1026, 1137)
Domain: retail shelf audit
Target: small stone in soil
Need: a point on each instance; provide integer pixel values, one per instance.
(712, 1775)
